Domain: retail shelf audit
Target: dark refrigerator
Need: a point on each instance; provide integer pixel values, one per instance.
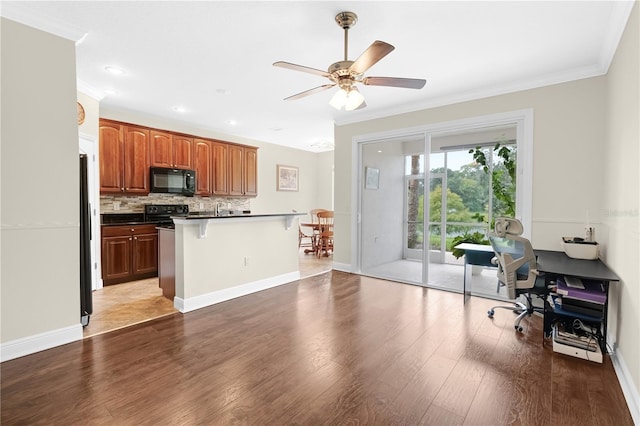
(86, 302)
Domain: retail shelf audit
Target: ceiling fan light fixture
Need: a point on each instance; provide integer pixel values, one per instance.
(354, 99)
(339, 99)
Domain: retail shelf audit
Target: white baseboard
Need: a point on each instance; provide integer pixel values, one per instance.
(342, 267)
(628, 388)
(208, 299)
(39, 342)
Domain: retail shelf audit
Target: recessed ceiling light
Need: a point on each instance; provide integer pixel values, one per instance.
(379, 151)
(276, 129)
(114, 70)
(222, 91)
(232, 122)
(110, 92)
(179, 108)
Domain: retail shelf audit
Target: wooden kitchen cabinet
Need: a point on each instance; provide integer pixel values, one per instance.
(129, 252)
(243, 170)
(170, 150)
(124, 158)
(182, 152)
(203, 166)
(220, 172)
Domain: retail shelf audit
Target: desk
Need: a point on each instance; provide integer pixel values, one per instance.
(557, 264)
(475, 254)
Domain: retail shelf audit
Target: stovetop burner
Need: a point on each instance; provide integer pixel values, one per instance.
(161, 213)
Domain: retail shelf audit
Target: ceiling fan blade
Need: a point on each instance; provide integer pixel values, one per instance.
(375, 52)
(295, 67)
(309, 92)
(408, 83)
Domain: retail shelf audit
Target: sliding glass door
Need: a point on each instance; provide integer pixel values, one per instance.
(429, 197)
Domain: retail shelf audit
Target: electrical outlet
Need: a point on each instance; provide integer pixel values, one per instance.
(201, 206)
(116, 205)
(246, 261)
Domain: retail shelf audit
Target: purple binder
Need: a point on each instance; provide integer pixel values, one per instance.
(593, 291)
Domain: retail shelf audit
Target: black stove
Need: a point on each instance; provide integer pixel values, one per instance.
(161, 213)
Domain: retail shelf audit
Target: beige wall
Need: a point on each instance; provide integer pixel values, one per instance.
(40, 254)
(567, 155)
(236, 251)
(621, 202)
(324, 181)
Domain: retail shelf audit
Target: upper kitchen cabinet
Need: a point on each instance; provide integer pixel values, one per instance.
(170, 150)
(243, 170)
(124, 158)
(220, 175)
(203, 166)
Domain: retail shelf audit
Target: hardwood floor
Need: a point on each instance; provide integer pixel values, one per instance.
(335, 348)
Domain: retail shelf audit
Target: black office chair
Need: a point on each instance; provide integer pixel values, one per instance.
(516, 263)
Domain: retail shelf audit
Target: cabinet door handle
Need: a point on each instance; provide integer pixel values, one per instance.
(132, 229)
(129, 238)
(135, 238)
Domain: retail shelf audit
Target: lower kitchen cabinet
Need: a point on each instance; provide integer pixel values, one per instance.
(129, 253)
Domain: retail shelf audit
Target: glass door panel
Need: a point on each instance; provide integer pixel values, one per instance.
(391, 228)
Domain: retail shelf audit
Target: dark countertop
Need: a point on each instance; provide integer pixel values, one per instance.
(211, 215)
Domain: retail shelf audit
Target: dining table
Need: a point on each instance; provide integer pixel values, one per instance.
(316, 229)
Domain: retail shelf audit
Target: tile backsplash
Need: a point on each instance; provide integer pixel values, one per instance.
(133, 204)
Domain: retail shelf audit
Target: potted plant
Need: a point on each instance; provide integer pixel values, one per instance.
(475, 259)
(468, 237)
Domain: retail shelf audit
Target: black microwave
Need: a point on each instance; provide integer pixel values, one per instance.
(173, 181)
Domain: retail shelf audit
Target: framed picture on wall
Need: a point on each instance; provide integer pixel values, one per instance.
(371, 178)
(287, 178)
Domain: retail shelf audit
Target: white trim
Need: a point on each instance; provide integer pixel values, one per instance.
(629, 390)
(342, 267)
(524, 183)
(89, 145)
(25, 15)
(89, 90)
(208, 299)
(40, 342)
(617, 24)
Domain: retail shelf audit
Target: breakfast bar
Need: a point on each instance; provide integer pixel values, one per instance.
(224, 256)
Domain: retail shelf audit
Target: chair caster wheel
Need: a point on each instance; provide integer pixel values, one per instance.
(518, 328)
(490, 313)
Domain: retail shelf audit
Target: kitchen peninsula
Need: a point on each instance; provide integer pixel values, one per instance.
(221, 257)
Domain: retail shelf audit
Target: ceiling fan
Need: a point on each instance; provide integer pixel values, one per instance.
(346, 73)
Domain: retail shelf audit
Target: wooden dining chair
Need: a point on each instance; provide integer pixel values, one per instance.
(314, 219)
(325, 233)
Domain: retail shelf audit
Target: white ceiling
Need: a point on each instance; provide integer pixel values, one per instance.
(215, 58)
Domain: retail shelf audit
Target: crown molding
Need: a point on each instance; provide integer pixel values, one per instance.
(617, 23)
(481, 93)
(18, 12)
(89, 90)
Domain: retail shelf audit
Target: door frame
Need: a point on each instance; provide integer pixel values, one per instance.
(523, 119)
(89, 145)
